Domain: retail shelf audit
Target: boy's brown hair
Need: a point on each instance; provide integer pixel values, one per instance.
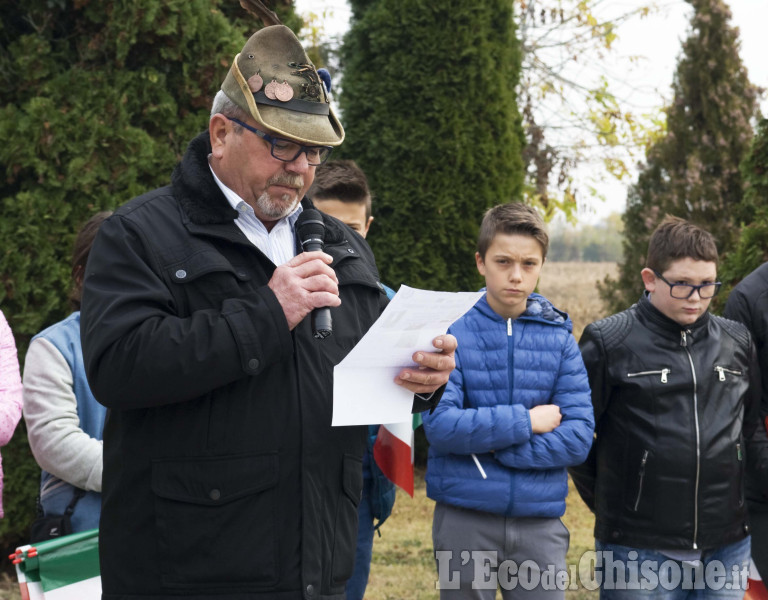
(510, 219)
(83, 244)
(341, 180)
(676, 238)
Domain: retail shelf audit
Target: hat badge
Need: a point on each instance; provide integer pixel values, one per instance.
(255, 82)
(278, 91)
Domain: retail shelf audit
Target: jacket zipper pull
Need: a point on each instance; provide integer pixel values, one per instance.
(509, 326)
(664, 373)
(683, 338)
(720, 373)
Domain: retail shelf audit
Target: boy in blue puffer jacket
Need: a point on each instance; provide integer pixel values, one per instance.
(515, 414)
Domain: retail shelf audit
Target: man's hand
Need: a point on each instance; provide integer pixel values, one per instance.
(303, 283)
(545, 418)
(434, 367)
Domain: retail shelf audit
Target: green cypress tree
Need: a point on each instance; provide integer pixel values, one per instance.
(692, 170)
(751, 249)
(97, 103)
(430, 113)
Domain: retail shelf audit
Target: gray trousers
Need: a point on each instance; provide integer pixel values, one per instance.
(477, 553)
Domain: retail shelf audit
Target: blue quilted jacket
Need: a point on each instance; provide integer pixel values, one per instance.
(503, 369)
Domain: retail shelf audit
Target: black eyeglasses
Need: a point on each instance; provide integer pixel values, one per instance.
(683, 291)
(288, 151)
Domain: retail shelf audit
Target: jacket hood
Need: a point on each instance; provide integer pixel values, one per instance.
(538, 308)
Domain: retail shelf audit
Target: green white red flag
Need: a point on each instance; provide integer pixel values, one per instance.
(393, 452)
(65, 568)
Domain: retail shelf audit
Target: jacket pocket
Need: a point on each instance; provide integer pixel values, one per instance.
(346, 519)
(206, 278)
(637, 482)
(660, 373)
(724, 372)
(739, 453)
(640, 480)
(215, 520)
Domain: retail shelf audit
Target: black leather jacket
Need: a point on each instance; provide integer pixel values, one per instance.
(748, 304)
(676, 413)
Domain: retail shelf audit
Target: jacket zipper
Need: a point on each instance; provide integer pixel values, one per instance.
(662, 372)
(740, 457)
(684, 344)
(642, 477)
(721, 371)
(511, 384)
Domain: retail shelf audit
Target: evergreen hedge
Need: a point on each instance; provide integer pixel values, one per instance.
(98, 101)
(751, 250)
(429, 108)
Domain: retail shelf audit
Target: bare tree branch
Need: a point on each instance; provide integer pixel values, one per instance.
(261, 12)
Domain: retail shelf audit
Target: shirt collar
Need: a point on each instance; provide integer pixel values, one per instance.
(242, 207)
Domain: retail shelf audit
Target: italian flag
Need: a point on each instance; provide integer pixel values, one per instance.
(755, 586)
(65, 568)
(393, 452)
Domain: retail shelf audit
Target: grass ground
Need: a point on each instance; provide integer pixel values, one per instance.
(403, 567)
(9, 588)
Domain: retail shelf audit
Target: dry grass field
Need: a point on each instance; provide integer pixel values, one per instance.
(572, 287)
(403, 567)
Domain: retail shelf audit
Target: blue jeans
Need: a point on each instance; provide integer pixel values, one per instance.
(359, 580)
(721, 573)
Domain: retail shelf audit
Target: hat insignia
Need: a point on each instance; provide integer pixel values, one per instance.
(311, 89)
(269, 91)
(255, 82)
(283, 91)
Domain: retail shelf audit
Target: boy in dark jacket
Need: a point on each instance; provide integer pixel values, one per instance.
(676, 393)
(516, 412)
(341, 190)
(748, 304)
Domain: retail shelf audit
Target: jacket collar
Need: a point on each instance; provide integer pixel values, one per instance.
(205, 204)
(194, 187)
(659, 321)
(538, 308)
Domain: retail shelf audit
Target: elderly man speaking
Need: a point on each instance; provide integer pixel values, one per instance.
(223, 477)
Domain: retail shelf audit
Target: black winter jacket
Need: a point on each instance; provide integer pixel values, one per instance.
(676, 415)
(222, 474)
(748, 304)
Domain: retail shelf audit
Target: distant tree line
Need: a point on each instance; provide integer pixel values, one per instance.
(601, 242)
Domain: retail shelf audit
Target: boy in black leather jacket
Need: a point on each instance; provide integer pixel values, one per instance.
(676, 396)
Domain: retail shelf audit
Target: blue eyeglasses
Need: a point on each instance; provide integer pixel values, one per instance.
(683, 291)
(288, 151)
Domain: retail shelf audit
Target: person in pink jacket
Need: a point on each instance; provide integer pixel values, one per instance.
(10, 392)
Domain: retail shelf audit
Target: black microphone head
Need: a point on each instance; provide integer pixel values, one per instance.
(311, 229)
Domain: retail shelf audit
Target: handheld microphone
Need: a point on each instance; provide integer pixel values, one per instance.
(311, 231)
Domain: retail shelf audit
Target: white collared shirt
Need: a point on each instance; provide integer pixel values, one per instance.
(280, 243)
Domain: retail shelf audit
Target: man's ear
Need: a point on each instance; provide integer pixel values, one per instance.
(649, 279)
(218, 129)
(480, 263)
(367, 226)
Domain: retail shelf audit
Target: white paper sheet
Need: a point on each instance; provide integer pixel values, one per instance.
(364, 390)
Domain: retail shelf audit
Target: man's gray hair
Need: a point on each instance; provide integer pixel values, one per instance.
(222, 104)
